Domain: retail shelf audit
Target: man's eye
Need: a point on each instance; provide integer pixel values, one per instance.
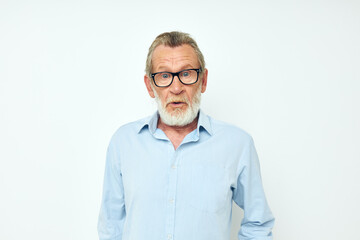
(186, 74)
(165, 75)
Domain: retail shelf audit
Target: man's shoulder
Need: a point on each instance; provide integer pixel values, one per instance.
(131, 128)
(225, 129)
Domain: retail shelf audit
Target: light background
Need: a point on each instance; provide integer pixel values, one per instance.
(71, 72)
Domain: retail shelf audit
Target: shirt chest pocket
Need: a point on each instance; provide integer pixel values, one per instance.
(208, 188)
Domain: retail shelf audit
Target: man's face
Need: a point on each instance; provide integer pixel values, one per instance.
(177, 100)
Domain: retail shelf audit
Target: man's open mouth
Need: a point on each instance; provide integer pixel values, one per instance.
(176, 104)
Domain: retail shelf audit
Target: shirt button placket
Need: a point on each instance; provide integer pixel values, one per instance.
(172, 195)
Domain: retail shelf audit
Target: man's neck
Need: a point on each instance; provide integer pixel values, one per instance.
(176, 134)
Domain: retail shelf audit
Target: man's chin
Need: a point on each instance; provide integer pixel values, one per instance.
(176, 117)
(177, 112)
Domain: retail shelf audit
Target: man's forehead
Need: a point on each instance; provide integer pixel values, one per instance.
(164, 54)
(174, 52)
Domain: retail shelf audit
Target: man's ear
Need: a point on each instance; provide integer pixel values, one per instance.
(204, 80)
(147, 82)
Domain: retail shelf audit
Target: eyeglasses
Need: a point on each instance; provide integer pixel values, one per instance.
(186, 77)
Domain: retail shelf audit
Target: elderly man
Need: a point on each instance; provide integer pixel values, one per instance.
(175, 174)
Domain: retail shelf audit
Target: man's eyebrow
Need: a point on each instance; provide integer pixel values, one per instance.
(187, 66)
(164, 68)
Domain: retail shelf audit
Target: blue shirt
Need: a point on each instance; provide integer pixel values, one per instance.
(153, 192)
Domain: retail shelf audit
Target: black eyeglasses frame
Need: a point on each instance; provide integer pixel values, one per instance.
(198, 70)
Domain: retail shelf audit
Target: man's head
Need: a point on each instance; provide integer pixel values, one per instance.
(174, 52)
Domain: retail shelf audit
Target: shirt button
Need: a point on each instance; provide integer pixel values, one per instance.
(173, 166)
(171, 200)
(169, 236)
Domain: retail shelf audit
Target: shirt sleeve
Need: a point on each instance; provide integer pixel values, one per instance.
(249, 194)
(112, 212)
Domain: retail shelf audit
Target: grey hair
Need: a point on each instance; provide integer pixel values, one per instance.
(173, 39)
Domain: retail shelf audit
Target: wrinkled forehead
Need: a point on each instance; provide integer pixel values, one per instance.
(165, 57)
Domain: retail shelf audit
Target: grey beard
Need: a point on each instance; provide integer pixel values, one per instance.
(178, 117)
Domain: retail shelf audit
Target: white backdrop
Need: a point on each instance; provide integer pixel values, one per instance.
(71, 72)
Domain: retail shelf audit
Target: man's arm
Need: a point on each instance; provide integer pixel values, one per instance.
(249, 195)
(112, 213)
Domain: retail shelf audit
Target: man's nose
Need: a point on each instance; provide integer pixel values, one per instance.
(176, 87)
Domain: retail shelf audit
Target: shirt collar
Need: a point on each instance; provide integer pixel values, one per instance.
(151, 123)
(204, 123)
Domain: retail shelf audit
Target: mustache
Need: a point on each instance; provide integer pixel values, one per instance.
(178, 99)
